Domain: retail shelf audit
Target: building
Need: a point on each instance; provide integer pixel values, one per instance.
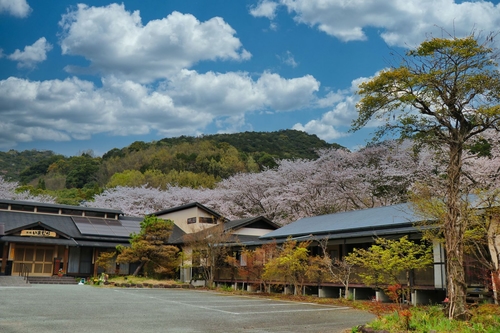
(42, 239)
(358, 229)
(194, 218)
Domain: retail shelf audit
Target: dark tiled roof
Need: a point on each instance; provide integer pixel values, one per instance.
(15, 220)
(388, 217)
(63, 224)
(43, 204)
(177, 236)
(236, 224)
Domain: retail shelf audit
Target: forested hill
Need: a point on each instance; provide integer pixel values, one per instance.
(13, 162)
(183, 161)
(284, 144)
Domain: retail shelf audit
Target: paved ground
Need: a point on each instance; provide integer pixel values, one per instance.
(75, 309)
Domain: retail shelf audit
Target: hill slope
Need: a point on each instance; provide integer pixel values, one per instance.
(183, 161)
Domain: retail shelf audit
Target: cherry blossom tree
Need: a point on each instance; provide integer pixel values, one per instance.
(8, 191)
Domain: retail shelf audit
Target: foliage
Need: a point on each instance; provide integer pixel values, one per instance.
(290, 265)
(157, 179)
(208, 249)
(385, 261)
(485, 319)
(252, 263)
(284, 144)
(106, 261)
(212, 157)
(39, 168)
(149, 248)
(338, 180)
(445, 94)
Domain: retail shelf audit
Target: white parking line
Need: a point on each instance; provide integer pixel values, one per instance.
(317, 307)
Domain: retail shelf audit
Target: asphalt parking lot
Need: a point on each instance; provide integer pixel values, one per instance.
(60, 308)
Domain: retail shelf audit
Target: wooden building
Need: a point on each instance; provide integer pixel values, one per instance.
(48, 239)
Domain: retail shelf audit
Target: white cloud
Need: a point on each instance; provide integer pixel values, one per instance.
(333, 123)
(32, 54)
(323, 131)
(116, 42)
(288, 59)
(401, 22)
(19, 8)
(223, 94)
(184, 105)
(264, 8)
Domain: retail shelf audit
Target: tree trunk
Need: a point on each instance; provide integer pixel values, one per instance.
(495, 283)
(138, 269)
(454, 233)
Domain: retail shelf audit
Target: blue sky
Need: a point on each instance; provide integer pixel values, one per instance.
(99, 75)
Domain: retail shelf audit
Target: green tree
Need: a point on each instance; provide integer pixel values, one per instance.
(81, 171)
(290, 265)
(385, 262)
(445, 93)
(131, 178)
(150, 248)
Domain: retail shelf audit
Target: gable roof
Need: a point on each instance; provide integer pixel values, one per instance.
(353, 222)
(247, 222)
(178, 234)
(17, 220)
(13, 221)
(176, 237)
(187, 206)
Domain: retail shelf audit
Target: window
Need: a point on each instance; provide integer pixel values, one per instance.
(48, 210)
(207, 220)
(94, 214)
(74, 212)
(23, 208)
(191, 220)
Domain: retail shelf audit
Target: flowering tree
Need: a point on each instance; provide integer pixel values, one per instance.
(338, 180)
(8, 191)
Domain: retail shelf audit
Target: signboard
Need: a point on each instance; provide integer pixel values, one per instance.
(38, 233)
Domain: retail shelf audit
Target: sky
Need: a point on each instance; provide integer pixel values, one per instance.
(98, 75)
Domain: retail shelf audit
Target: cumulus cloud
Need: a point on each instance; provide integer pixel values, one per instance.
(334, 123)
(264, 8)
(18, 8)
(116, 42)
(32, 54)
(400, 22)
(62, 110)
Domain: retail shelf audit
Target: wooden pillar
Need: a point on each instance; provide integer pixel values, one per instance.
(65, 259)
(95, 256)
(4, 257)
